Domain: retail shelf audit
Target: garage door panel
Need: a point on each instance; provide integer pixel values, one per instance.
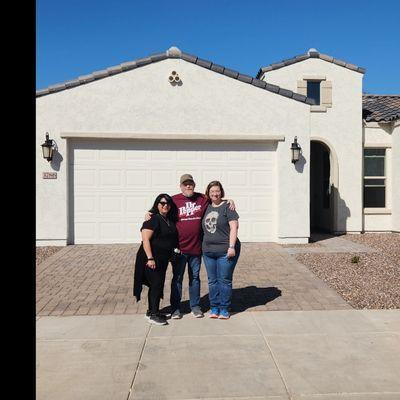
(85, 232)
(237, 156)
(213, 156)
(162, 155)
(115, 183)
(162, 177)
(136, 155)
(86, 154)
(136, 178)
(260, 204)
(85, 204)
(112, 155)
(261, 178)
(259, 228)
(111, 204)
(211, 175)
(85, 177)
(111, 232)
(136, 204)
(188, 156)
(236, 178)
(110, 177)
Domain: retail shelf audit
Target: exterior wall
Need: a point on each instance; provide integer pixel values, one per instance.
(381, 136)
(396, 177)
(142, 101)
(340, 125)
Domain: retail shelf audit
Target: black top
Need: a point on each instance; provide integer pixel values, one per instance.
(164, 238)
(162, 242)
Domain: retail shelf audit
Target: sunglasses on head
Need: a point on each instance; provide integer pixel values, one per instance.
(164, 203)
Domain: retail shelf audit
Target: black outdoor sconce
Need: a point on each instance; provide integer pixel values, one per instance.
(47, 148)
(296, 151)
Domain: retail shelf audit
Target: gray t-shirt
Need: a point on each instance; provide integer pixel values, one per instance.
(216, 228)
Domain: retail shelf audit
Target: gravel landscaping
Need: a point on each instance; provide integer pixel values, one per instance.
(46, 251)
(373, 282)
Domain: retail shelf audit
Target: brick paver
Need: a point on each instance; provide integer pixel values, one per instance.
(98, 280)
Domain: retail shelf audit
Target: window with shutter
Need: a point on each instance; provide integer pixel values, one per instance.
(317, 88)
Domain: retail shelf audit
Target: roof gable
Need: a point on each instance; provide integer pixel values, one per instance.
(174, 52)
(312, 53)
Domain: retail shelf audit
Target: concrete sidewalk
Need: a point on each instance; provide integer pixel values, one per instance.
(307, 355)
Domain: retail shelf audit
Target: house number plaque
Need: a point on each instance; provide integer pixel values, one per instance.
(49, 175)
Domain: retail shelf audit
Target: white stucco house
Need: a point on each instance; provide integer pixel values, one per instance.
(127, 133)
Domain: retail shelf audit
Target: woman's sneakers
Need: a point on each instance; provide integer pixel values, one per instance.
(224, 314)
(214, 313)
(157, 319)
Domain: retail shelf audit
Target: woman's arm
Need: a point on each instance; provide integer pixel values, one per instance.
(146, 236)
(234, 226)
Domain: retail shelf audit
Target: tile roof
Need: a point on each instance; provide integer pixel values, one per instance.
(381, 108)
(174, 52)
(312, 53)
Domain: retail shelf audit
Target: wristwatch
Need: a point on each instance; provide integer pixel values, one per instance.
(231, 246)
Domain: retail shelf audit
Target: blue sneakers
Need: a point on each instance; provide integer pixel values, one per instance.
(224, 314)
(214, 313)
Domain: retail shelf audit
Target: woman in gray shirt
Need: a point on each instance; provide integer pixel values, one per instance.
(221, 249)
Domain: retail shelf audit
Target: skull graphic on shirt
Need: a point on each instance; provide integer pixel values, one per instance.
(211, 221)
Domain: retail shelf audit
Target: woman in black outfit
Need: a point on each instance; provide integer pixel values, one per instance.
(159, 239)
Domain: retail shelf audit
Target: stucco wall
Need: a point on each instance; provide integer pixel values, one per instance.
(143, 101)
(340, 126)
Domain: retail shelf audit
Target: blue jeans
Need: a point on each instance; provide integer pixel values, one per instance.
(220, 272)
(178, 270)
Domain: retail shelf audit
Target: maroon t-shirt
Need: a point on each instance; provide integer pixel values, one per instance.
(190, 214)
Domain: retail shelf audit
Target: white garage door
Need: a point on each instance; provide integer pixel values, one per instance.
(114, 182)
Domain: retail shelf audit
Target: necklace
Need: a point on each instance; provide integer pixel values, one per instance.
(165, 219)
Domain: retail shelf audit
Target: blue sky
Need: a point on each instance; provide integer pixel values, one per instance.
(78, 37)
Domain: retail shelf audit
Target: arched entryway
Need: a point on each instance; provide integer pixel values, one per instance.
(323, 187)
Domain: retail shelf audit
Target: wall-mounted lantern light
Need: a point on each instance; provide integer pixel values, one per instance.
(47, 148)
(296, 151)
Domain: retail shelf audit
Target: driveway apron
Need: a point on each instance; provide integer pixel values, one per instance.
(98, 280)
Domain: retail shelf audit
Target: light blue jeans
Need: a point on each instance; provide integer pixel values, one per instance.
(220, 273)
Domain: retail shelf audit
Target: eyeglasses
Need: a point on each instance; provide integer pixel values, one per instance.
(164, 203)
(188, 183)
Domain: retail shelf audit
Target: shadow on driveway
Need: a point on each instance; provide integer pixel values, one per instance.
(242, 299)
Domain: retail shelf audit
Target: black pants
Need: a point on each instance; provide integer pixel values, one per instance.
(156, 280)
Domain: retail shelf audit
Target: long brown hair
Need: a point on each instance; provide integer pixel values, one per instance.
(214, 183)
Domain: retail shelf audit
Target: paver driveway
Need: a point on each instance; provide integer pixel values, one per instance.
(98, 280)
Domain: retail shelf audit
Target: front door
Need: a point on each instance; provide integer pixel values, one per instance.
(321, 195)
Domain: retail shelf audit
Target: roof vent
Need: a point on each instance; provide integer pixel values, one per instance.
(174, 52)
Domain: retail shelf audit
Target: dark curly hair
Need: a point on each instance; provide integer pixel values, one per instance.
(173, 211)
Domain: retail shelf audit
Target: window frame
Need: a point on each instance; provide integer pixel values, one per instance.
(315, 80)
(383, 177)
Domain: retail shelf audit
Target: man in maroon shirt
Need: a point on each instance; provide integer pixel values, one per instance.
(191, 208)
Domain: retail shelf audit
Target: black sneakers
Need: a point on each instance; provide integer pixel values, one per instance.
(157, 319)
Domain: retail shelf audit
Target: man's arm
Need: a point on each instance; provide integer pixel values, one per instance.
(231, 203)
